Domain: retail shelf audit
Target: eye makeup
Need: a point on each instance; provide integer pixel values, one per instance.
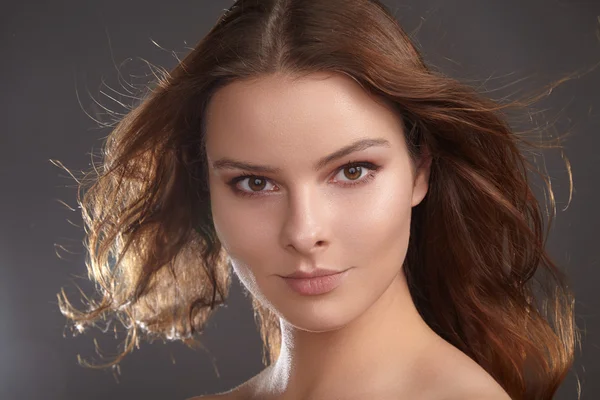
(369, 166)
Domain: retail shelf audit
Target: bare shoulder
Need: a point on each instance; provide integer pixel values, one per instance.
(481, 393)
(474, 383)
(452, 375)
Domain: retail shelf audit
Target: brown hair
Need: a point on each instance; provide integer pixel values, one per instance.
(477, 239)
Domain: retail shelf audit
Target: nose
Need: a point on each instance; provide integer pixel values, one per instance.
(306, 221)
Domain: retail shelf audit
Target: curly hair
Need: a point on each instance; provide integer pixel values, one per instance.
(158, 264)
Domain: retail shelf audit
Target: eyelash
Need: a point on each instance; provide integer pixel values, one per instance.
(373, 168)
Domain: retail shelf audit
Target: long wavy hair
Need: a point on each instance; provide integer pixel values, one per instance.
(476, 264)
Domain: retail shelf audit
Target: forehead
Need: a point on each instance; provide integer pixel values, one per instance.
(277, 114)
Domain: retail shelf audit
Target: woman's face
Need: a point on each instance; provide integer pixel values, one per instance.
(298, 217)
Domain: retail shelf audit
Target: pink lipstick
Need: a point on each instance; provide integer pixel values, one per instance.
(318, 281)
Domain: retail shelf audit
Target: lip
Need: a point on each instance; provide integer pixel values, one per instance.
(315, 285)
(313, 273)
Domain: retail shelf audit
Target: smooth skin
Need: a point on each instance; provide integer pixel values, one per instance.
(365, 339)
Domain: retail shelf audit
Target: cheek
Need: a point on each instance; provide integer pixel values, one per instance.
(243, 238)
(379, 225)
(241, 247)
(235, 224)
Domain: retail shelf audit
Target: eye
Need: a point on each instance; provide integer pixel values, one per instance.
(352, 173)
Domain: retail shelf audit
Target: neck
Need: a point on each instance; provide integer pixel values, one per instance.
(377, 350)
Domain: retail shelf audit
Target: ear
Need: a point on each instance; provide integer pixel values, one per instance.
(421, 179)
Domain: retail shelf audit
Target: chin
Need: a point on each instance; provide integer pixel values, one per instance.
(315, 315)
(315, 325)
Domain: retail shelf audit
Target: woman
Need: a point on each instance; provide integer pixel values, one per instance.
(378, 212)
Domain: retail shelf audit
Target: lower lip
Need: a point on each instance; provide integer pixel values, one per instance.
(316, 285)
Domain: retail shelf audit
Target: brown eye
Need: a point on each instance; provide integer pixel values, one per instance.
(256, 184)
(354, 172)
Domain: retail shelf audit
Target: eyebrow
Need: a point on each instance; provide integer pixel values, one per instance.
(361, 144)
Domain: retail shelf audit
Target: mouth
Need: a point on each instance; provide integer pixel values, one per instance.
(313, 273)
(315, 285)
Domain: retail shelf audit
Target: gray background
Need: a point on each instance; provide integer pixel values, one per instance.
(55, 57)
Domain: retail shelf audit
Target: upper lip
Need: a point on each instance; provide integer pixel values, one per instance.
(312, 273)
